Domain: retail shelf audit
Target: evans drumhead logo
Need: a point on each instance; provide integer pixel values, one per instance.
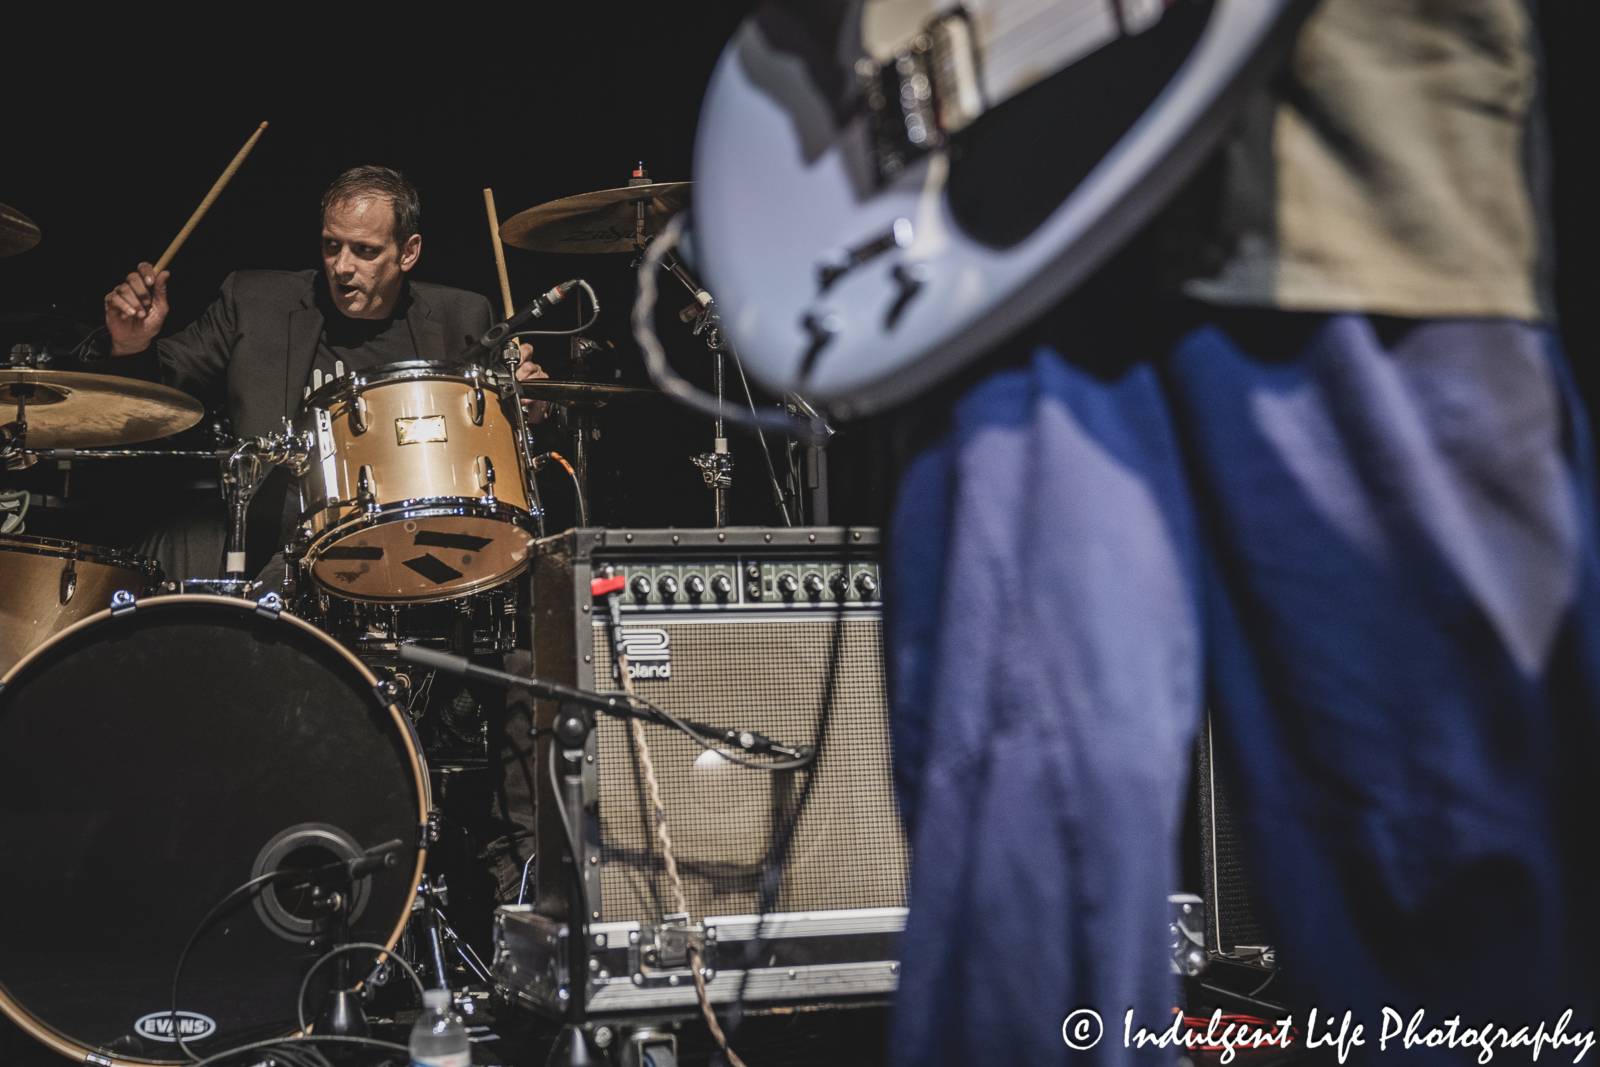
(193, 1026)
(648, 653)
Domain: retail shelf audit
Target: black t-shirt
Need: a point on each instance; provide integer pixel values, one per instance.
(350, 345)
(347, 345)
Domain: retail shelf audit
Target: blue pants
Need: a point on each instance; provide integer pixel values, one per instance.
(1374, 559)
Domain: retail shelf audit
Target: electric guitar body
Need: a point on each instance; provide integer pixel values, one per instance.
(884, 189)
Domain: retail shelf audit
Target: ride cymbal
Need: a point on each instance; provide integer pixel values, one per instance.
(69, 409)
(604, 221)
(17, 232)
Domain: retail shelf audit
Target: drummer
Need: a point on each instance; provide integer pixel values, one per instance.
(270, 335)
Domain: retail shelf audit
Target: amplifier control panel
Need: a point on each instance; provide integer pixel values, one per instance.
(747, 582)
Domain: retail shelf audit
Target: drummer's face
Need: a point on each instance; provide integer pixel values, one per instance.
(359, 254)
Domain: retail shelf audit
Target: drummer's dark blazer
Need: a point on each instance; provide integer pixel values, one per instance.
(254, 345)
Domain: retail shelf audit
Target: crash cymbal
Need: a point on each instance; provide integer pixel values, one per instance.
(17, 232)
(604, 221)
(69, 409)
(574, 393)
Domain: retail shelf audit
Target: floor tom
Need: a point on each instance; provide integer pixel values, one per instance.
(47, 586)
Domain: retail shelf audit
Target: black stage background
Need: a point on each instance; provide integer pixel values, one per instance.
(115, 121)
(113, 127)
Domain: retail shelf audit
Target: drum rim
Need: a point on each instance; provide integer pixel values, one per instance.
(65, 1044)
(418, 370)
(477, 507)
(447, 507)
(83, 552)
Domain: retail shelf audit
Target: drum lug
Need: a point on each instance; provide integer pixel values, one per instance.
(358, 411)
(477, 400)
(123, 602)
(486, 476)
(367, 488)
(428, 832)
(69, 579)
(270, 606)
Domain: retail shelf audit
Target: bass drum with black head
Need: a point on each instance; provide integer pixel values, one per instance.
(154, 759)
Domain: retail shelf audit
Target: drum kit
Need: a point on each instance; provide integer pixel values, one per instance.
(164, 735)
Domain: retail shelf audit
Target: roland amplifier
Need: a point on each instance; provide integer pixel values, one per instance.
(775, 631)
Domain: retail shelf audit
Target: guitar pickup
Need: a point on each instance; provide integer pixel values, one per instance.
(928, 91)
(898, 235)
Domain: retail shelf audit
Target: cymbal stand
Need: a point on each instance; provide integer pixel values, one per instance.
(14, 434)
(580, 417)
(716, 466)
(815, 474)
(511, 356)
(243, 471)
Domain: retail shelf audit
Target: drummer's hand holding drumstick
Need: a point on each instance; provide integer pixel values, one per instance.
(136, 309)
(527, 370)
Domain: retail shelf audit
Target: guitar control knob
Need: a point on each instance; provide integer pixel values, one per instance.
(667, 586)
(721, 586)
(640, 585)
(813, 585)
(866, 585)
(839, 584)
(696, 586)
(788, 585)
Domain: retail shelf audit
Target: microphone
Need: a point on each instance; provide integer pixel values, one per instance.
(382, 857)
(747, 740)
(545, 301)
(490, 342)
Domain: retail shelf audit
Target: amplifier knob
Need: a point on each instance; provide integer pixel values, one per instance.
(640, 586)
(813, 585)
(839, 584)
(722, 587)
(787, 585)
(866, 584)
(667, 585)
(697, 586)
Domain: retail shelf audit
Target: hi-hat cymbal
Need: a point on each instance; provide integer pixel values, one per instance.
(604, 221)
(69, 409)
(17, 232)
(575, 393)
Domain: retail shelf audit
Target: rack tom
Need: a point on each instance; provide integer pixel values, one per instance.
(46, 586)
(417, 490)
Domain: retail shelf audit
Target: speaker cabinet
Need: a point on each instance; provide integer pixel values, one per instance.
(741, 629)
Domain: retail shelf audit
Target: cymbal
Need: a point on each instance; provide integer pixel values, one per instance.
(17, 232)
(70, 409)
(604, 221)
(574, 393)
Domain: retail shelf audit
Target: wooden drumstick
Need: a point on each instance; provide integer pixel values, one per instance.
(499, 251)
(205, 205)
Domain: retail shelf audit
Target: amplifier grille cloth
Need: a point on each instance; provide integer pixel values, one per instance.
(768, 676)
(1238, 918)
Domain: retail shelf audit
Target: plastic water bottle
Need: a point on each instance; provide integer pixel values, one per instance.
(439, 1037)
